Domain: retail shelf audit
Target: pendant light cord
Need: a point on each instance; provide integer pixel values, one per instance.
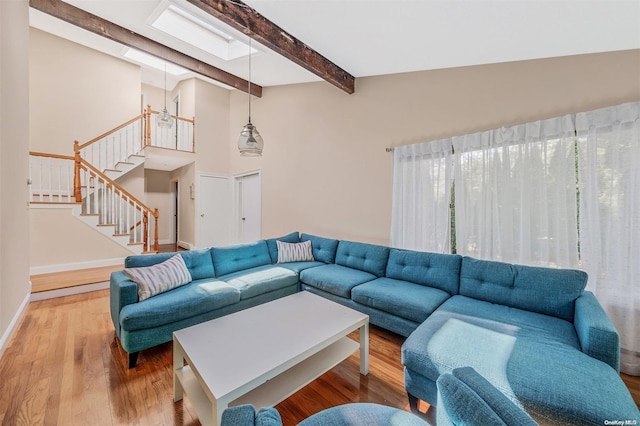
(165, 85)
(249, 76)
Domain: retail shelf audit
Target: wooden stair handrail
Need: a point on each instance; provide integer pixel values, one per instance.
(86, 165)
(188, 120)
(104, 135)
(81, 163)
(44, 154)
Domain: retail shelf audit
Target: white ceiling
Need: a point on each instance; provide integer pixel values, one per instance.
(375, 37)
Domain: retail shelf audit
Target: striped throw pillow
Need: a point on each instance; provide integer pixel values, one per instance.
(294, 252)
(156, 279)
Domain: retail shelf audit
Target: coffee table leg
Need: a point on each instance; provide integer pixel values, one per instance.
(178, 363)
(364, 349)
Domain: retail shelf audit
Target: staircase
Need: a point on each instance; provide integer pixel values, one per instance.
(87, 181)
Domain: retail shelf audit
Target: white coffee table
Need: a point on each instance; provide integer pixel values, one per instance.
(264, 354)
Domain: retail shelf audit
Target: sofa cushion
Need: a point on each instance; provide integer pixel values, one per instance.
(198, 262)
(499, 324)
(401, 298)
(467, 398)
(262, 279)
(294, 252)
(544, 290)
(435, 270)
(363, 414)
(534, 359)
(324, 249)
(293, 237)
(335, 279)
(190, 300)
(227, 260)
(297, 267)
(365, 257)
(161, 277)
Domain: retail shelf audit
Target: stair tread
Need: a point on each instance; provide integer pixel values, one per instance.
(89, 214)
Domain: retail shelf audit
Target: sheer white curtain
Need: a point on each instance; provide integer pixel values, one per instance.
(515, 194)
(609, 170)
(420, 213)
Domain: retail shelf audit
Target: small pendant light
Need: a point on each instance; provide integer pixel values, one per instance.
(164, 118)
(250, 142)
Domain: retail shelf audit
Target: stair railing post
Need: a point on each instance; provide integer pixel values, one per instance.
(77, 182)
(156, 245)
(145, 230)
(193, 135)
(147, 120)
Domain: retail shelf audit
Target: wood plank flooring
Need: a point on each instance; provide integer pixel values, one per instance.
(59, 280)
(64, 366)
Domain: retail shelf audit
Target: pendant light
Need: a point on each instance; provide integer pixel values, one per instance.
(250, 142)
(164, 118)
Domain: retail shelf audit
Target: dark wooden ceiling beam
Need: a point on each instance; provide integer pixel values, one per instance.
(104, 28)
(247, 20)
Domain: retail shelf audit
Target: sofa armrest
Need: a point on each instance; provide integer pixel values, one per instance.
(123, 292)
(240, 415)
(597, 334)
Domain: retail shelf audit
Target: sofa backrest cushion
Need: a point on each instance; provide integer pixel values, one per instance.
(324, 249)
(365, 257)
(199, 262)
(544, 290)
(293, 237)
(431, 269)
(227, 260)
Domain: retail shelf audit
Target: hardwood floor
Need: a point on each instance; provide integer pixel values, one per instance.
(59, 280)
(64, 366)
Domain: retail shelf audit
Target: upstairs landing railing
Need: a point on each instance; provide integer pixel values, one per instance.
(131, 137)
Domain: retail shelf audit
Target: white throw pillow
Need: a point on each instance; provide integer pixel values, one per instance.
(294, 252)
(156, 279)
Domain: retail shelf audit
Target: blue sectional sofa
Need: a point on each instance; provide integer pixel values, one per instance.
(533, 333)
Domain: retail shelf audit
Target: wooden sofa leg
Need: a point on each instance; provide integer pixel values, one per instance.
(413, 403)
(133, 359)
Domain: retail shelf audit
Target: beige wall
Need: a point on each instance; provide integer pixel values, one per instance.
(187, 211)
(59, 226)
(154, 97)
(76, 93)
(14, 147)
(325, 169)
(158, 195)
(212, 128)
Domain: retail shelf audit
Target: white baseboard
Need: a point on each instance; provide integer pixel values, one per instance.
(185, 245)
(43, 295)
(6, 337)
(35, 270)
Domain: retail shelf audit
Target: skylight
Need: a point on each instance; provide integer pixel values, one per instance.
(153, 62)
(197, 32)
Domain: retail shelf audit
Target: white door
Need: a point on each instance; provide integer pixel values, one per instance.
(215, 213)
(249, 208)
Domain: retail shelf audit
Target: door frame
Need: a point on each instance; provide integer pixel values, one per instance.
(175, 213)
(237, 200)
